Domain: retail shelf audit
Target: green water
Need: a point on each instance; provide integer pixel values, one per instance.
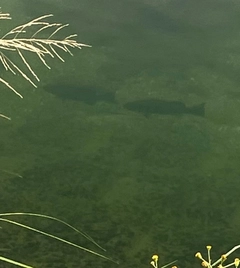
(139, 186)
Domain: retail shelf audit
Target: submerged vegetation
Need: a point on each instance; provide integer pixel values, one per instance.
(184, 140)
(26, 38)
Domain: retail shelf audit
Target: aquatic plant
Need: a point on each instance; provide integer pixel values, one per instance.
(207, 263)
(19, 40)
(155, 263)
(26, 38)
(220, 262)
(27, 227)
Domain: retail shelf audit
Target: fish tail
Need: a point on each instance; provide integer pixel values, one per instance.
(197, 109)
(109, 97)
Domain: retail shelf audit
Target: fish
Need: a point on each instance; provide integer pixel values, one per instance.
(163, 107)
(87, 94)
